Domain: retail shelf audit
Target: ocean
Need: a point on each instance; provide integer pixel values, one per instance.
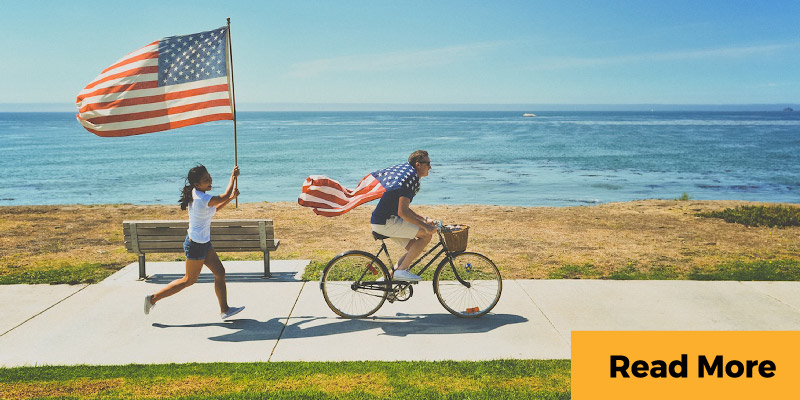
(502, 158)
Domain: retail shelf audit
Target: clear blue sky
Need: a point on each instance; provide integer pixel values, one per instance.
(400, 52)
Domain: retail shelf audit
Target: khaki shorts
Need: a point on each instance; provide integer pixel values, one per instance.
(400, 231)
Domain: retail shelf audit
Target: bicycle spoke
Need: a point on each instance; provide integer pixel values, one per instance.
(343, 289)
(482, 291)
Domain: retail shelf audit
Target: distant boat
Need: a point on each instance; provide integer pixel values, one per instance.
(788, 109)
(529, 115)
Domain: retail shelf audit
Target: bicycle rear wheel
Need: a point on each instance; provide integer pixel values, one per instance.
(351, 284)
(478, 290)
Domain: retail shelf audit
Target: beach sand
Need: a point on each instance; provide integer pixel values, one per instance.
(525, 242)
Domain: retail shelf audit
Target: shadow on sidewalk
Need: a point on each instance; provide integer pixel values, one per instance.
(246, 277)
(245, 330)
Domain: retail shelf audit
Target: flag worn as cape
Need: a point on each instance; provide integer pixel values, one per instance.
(329, 198)
(170, 83)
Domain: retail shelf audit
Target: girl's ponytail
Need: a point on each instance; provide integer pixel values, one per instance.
(194, 176)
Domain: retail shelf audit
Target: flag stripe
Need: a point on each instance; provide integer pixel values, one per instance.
(159, 112)
(321, 180)
(150, 103)
(131, 72)
(107, 87)
(145, 96)
(117, 126)
(329, 198)
(156, 128)
(140, 82)
(330, 195)
(333, 187)
(128, 65)
(141, 54)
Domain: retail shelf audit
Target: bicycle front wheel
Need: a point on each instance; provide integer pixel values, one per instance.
(470, 286)
(352, 284)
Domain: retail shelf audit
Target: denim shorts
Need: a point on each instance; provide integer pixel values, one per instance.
(194, 250)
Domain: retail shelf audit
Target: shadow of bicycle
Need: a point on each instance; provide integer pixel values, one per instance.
(401, 325)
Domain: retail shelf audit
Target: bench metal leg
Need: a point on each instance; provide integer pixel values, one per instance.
(142, 275)
(267, 273)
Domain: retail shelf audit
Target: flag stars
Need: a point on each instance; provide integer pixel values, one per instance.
(190, 58)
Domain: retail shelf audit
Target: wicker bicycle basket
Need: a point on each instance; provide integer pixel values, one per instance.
(456, 237)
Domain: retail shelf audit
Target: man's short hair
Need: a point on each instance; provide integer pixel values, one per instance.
(417, 156)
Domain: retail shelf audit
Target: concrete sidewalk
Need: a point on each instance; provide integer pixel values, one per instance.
(287, 319)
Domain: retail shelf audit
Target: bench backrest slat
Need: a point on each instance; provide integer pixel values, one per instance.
(145, 231)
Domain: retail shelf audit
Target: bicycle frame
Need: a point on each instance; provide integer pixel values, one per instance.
(442, 250)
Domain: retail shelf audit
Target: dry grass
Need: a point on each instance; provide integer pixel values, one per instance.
(372, 383)
(82, 387)
(525, 242)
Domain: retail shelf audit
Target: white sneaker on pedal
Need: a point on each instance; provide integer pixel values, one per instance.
(404, 275)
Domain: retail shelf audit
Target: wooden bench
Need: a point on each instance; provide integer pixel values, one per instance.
(142, 237)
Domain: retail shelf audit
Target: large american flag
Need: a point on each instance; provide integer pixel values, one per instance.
(171, 83)
(329, 198)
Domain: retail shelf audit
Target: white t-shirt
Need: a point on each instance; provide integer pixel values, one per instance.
(200, 215)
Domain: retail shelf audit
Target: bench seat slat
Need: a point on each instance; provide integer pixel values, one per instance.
(171, 246)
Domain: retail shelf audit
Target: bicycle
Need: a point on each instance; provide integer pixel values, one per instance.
(355, 283)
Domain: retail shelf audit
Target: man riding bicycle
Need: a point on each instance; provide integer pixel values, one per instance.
(354, 283)
(394, 218)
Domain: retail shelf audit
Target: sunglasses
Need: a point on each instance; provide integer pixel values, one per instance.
(428, 163)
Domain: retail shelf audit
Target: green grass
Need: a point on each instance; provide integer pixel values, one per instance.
(771, 216)
(585, 271)
(772, 270)
(631, 272)
(69, 274)
(761, 270)
(500, 379)
(313, 271)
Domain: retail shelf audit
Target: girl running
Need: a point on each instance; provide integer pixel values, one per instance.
(197, 246)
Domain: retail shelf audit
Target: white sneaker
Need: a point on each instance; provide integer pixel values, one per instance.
(404, 275)
(147, 304)
(231, 312)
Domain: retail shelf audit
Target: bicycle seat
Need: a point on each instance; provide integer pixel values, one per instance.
(378, 236)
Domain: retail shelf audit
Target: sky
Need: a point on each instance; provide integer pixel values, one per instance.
(317, 53)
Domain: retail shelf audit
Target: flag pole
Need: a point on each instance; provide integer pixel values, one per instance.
(233, 102)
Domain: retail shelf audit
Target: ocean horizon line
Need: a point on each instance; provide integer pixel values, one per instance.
(371, 205)
(453, 107)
